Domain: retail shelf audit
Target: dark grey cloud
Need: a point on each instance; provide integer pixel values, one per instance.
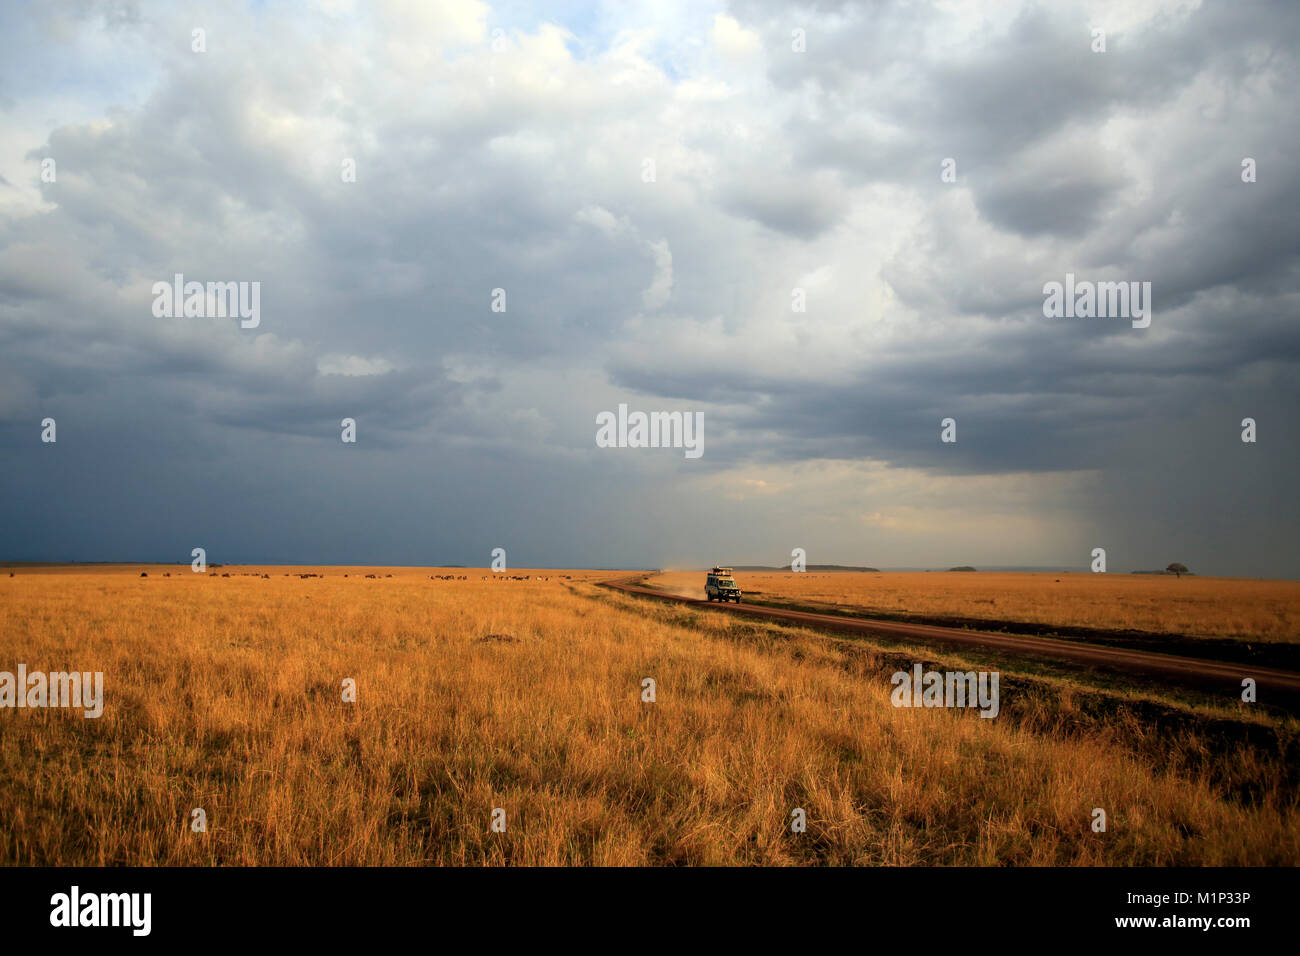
(778, 173)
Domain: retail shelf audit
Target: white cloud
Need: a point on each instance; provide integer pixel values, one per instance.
(732, 40)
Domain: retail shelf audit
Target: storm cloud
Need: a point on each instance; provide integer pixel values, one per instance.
(475, 227)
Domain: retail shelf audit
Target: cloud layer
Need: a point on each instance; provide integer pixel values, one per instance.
(683, 210)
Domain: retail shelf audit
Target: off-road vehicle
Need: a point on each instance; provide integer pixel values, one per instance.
(720, 585)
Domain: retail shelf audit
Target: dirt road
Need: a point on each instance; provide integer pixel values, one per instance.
(1215, 676)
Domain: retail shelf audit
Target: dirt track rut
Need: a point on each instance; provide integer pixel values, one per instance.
(1205, 674)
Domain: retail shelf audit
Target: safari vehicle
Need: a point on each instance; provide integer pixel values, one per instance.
(720, 585)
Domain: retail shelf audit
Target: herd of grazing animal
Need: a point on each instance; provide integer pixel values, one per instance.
(519, 577)
(496, 576)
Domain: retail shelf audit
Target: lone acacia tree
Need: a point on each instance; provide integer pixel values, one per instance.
(1177, 569)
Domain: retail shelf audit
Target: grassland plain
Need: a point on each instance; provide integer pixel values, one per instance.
(1242, 608)
(225, 693)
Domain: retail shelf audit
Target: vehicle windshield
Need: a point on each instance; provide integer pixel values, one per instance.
(726, 583)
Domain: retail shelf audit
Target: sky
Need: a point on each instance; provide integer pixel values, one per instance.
(823, 228)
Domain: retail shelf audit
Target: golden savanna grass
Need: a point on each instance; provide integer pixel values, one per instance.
(1260, 610)
(225, 693)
